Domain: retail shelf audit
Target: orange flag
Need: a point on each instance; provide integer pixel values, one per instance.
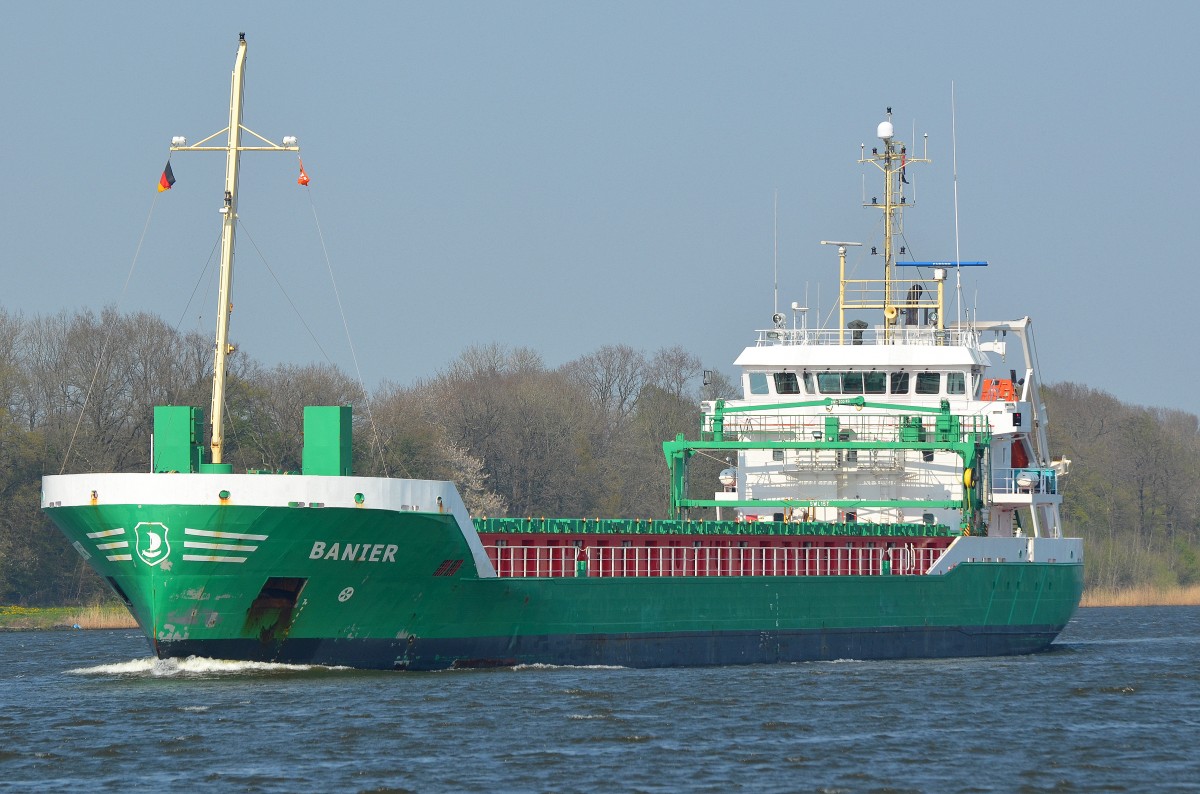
(303, 180)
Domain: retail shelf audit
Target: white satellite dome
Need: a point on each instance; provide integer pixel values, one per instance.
(885, 131)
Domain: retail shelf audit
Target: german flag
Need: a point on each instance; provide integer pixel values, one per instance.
(167, 179)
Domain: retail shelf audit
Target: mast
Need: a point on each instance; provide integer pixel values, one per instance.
(841, 286)
(228, 229)
(233, 149)
(892, 160)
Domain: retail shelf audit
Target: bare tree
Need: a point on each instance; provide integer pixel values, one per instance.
(266, 411)
(417, 446)
(674, 370)
(613, 376)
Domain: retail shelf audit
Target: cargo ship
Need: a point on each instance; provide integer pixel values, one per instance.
(889, 494)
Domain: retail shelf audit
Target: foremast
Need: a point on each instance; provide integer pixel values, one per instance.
(233, 149)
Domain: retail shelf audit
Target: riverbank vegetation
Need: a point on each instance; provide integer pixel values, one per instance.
(1142, 596)
(1133, 493)
(98, 616)
(519, 437)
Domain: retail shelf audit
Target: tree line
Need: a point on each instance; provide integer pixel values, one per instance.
(1133, 492)
(77, 392)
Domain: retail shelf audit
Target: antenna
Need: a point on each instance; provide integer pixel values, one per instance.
(776, 251)
(954, 168)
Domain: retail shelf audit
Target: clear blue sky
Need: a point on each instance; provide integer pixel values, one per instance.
(565, 175)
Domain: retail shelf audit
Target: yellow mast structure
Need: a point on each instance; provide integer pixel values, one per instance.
(892, 159)
(233, 149)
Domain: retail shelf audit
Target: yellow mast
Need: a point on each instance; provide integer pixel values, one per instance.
(892, 159)
(233, 149)
(841, 286)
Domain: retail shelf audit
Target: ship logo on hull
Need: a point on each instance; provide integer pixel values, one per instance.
(152, 544)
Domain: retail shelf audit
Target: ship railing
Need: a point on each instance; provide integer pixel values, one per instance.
(1024, 481)
(658, 561)
(917, 336)
(867, 428)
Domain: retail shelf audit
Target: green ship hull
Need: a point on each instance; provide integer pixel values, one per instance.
(396, 589)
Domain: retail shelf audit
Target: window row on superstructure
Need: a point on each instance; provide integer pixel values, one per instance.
(873, 382)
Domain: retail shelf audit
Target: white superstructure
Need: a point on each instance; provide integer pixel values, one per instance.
(906, 421)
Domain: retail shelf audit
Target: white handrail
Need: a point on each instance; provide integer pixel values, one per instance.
(922, 336)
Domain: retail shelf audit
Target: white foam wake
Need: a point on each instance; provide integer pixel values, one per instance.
(193, 666)
(543, 666)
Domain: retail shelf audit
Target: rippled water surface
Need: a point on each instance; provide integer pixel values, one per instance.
(1114, 707)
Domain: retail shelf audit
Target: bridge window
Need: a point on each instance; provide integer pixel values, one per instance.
(849, 382)
(786, 383)
(956, 383)
(758, 383)
(899, 383)
(929, 383)
(829, 382)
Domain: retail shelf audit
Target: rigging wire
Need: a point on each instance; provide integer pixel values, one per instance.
(237, 441)
(1037, 362)
(349, 341)
(109, 332)
(125, 288)
(700, 453)
(278, 283)
(196, 288)
(233, 428)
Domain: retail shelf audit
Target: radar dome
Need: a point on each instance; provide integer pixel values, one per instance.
(885, 131)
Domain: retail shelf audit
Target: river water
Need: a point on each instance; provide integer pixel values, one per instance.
(1115, 706)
